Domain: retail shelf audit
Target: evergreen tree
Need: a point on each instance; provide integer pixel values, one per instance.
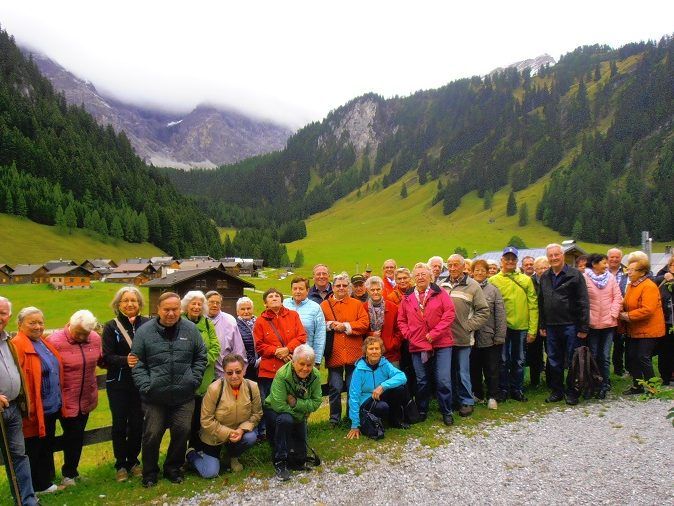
(299, 259)
(488, 199)
(21, 206)
(524, 215)
(517, 242)
(227, 245)
(460, 250)
(116, 230)
(511, 207)
(9, 202)
(70, 218)
(597, 72)
(61, 225)
(403, 191)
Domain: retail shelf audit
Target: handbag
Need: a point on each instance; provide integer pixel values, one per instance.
(329, 336)
(411, 412)
(370, 424)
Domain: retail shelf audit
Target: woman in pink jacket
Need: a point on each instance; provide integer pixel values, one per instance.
(425, 316)
(605, 306)
(80, 350)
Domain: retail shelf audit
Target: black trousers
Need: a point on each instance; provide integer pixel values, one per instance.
(40, 451)
(127, 426)
(485, 364)
(666, 356)
(534, 357)
(195, 441)
(641, 358)
(389, 407)
(620, 353)
(73, 438)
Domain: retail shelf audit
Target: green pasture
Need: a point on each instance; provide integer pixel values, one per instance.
(25, 241)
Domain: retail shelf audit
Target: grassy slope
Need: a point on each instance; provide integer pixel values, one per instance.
(28, 242)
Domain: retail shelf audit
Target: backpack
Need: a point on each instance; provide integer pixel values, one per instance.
(584, 373)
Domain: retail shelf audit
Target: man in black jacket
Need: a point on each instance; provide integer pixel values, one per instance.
(564, 312)
(171, 362)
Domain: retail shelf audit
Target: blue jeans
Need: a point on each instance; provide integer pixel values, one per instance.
(463, 388)
(562, 342)
(599, 341)
(287, 434)
(17, 450)
(512, 362)
(438, 367)
(207, 462)
(338, 378)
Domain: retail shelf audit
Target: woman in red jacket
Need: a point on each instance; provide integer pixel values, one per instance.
(383, 316)
(80, 350)
(42, 369)
(277, 332)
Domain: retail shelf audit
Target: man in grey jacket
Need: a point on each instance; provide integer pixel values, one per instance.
(171, 362)
(472, 312)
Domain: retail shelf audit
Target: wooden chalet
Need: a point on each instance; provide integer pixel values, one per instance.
(169, 262)
(5, 274)
(91, 264)
(69, 277)
(145, 268)
(127, 278)
(29, 273)
(212, 278)
(53, 264)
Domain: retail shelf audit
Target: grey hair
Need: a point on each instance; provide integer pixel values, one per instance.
(120, 293)
(189, 297)
(342, 275)
(456, 256)
(373, 280)
(212, 293)
(552, 246)
(637, 255)
(403, 269)
(304, 351)
(5, 299)
(491, 261)
(320, 265)
(85, 319)
(435, 258)
(243, 300)
(422, 265)
(615, 249)
(540, 260)
(27, 311)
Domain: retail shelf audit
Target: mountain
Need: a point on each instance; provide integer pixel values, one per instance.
(599, 114)
(531, 64)
(59, 167)
(206, 137)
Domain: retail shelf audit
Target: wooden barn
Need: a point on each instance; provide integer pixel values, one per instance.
(30, 273)
(69, 277)
(5, 274)
(181, 282)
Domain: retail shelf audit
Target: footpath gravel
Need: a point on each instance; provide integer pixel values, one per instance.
(618, 452)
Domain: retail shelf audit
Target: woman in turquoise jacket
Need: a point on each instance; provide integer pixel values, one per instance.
(376, 386)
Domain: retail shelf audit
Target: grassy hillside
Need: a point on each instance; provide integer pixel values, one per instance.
(380, 224)
(27, 242)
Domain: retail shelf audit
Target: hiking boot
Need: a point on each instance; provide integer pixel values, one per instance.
(299, 466)
(518, 396)
(555, 398)
(235, 465)
(121, 475)
(137, 471)
(422, 416)
(602, 394)
(149, 482)
(174, 477)
(501, 397)
(281, 469)
(492, 404)
(465, 410)
(571, 400)
(448, 419)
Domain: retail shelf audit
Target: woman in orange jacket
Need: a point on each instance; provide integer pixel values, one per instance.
(42, 369)
(348, 320)
(644, 320)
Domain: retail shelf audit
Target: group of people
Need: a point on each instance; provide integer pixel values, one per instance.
(463, 331)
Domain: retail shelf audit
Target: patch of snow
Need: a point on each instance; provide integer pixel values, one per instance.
(173, 123)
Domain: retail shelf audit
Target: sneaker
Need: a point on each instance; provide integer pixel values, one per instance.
(492, 404)
(235, 465)
(465, 410)
(555, 398)
(68, 482)
(121, 475)
(300, 467)
(281, 469)
(50, 489)
(137, 471)
(518, 396)
(174, 477)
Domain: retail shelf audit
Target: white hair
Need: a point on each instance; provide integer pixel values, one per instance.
(456, 256)
(27, 311)
(435, 258)
(5, 299)
(422, 265)
(615, 250)
(553, 246)
(84, 319)
(189, 297)
(243, 300)
(342, 275)
(373, 280)
(541, 260)
(120, 293)
(304, 351)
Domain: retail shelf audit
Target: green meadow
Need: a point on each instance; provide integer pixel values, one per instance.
(25, 241)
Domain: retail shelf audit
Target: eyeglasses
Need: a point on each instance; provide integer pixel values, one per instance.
(238, 372)
(341, 286)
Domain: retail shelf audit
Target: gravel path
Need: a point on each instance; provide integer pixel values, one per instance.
(619, 452)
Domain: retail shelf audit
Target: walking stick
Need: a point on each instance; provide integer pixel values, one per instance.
(14, 484)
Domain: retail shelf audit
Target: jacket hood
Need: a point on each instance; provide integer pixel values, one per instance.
(434, 289)
(363, 366)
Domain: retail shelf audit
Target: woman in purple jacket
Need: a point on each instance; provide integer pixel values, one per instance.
(425, 316)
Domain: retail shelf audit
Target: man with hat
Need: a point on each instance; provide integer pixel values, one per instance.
(521, 304)
(358, 290)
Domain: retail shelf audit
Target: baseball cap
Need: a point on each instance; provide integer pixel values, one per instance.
(357, 278)
(510, 249)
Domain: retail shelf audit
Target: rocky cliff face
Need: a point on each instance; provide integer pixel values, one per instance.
(206, 137)
(534, 64)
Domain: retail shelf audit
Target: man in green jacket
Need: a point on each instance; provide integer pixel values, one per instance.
(171, 363)
(295, 394)
(521, 305)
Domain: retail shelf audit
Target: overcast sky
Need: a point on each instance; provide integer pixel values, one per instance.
(294, 61)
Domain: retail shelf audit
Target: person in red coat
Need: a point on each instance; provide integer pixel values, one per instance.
(348, 319)
(383, 316)
(388, 274)
(277, 332)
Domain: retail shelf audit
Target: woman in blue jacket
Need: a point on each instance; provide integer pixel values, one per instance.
(376, 386)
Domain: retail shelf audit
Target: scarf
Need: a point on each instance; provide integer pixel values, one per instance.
(376, 313)
(599, 280)
(250, 323)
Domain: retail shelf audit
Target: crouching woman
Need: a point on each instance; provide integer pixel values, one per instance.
(230, 411)
(295, 394)
(376, 386)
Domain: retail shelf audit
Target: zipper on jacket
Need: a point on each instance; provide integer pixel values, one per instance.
(82, 385)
